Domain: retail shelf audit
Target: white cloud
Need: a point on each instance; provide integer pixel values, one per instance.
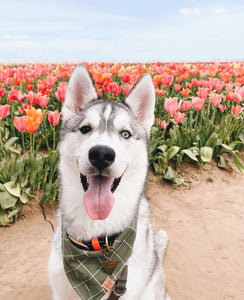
(220, 10)
(16, 37)
(190, 11)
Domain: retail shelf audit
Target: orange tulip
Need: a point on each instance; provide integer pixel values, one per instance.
(185, 92)
(34, 119)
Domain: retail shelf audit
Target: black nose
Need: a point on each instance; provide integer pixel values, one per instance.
(101, 157)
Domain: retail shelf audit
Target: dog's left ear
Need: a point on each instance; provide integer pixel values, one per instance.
(141, 100)
(80, 91)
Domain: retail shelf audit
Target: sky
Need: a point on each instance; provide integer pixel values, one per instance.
(121, 31)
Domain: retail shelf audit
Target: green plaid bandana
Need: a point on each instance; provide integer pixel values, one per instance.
(84, 270)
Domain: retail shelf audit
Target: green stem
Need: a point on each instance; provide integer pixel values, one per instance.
(1, 139)
(23, 141)
(31, 146)
(213, 115)
(53, 138)
(197, 117)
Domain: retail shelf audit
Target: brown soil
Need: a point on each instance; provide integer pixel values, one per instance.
(205, 224)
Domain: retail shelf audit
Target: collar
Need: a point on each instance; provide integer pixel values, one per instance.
(94, 244)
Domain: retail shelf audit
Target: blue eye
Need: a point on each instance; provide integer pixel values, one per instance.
(125, 134)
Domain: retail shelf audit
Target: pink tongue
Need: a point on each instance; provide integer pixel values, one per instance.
(98, 199)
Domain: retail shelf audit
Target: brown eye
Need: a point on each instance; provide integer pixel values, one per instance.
(85, 129)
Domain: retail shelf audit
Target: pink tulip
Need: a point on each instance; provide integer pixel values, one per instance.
(127, 89)
(164, 124)
(20, 123)
(171, 105)
(235, 97)
(43, 100)
(236, 110)
(229, 87)
(203, 93)
(215, 98)
(177, 87)
(167, 79)
(222, 107)
(4, 110)
(186, 105)
(197, 103)
(219, 86)
(61, 91)
(21, 97)
(240, 91)
(179, 117)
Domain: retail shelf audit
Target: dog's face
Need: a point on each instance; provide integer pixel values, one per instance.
(106, 142)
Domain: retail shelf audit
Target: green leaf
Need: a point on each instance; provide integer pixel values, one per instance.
(13, 189)
(206, 153)
(10, 142)
(162, 148)
(169, 175)
(172, 177)
(222, 163)
(14, 212)
(2, 188)
(24, 198)
(172, 151)
(190, 154)
(237, 161)
(7, 200)
(4, 220)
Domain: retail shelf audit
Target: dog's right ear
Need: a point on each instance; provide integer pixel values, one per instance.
(80, 91)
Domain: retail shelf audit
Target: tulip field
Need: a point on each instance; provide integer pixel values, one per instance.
(199, 118)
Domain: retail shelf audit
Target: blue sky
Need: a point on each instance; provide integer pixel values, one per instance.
(124, 30)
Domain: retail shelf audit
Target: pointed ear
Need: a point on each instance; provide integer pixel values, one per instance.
(141, 100)
(80, 91)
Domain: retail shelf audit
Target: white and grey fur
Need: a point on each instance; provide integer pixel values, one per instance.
(107, 120)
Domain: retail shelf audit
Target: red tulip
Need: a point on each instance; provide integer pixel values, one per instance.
(53, 117)
(2, 92)
(13, 94)
(4, 110)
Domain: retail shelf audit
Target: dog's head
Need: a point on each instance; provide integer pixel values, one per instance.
(105, 143)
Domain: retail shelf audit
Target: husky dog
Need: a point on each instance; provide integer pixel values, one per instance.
(103, 170)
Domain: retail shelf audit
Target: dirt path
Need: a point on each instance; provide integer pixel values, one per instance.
(205, 255)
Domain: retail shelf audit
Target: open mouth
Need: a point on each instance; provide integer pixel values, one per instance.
(85, 184)
(98, 197)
